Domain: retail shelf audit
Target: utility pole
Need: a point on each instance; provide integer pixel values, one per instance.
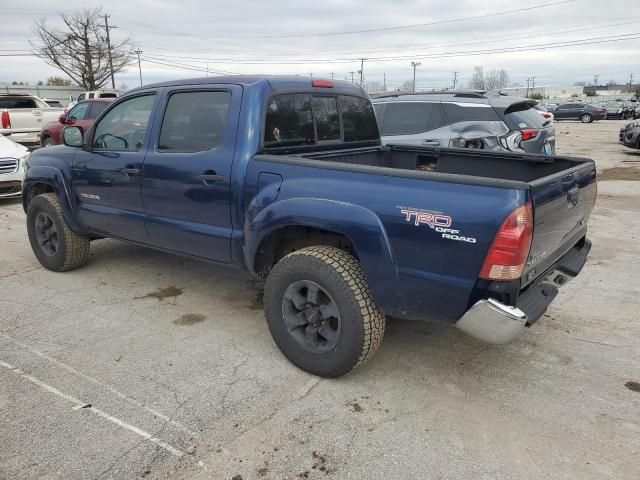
(384, 82)
(332, 74)
(630, 81)
(455, 79)
(361, 72)
(138, 52)
(595, 80)
(528, 80)
(311, 74)
(414, 65)
(533, 85)
(352, 73)
(107, 28)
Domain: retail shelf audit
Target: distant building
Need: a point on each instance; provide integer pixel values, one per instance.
(63, 94)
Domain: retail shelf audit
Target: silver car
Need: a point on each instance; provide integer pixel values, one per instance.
(483, 120)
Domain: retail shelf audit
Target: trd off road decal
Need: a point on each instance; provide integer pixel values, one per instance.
(437, 221)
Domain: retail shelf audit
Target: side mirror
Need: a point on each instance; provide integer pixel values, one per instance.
(62, 118)
(72, 136)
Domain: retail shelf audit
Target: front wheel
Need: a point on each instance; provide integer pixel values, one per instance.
(54, 244)
(586, 118)
(48, 142)
(320, 312)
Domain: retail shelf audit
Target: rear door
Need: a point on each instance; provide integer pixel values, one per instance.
(413, 123)
(187, 172)
(562, 204)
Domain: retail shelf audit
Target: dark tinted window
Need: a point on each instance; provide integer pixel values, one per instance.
(18, 103)
(289, 121)
(124, 127)
(358, 119)
(523, 115)
(97, 108)
(194, 121)
(325, 111)
(108, 95)
(406, 118)
(470, 112)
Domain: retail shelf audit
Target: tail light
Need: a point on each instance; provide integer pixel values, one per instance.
(6, 120)
(529, 133)
(510, 248)
(546, 115)
(322, 83)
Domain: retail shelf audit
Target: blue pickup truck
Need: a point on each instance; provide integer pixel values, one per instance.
(286, 178)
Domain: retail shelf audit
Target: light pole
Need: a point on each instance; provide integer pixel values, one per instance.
(138, 52)
(414, 65)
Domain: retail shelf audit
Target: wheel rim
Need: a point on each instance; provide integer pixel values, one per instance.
(311, 316)
(585, 118)
(46, 234)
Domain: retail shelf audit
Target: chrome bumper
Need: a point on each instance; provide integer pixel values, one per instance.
(492, 322)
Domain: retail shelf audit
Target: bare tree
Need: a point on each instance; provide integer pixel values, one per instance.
(477, 79)
(80, 48)
(493, 80)
(58, 82)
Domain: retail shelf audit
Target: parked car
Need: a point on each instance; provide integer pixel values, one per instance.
(82, 114)
(480, 120)
(96, 94)
(53, 102)
(617, 111)
(12, 160)
(578, 111)
(286, 177)
(22, 117)
(546, 114)
(630, 135)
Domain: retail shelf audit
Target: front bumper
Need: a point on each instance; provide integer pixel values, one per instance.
(491, 321)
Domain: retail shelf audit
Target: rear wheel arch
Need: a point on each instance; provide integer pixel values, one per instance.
(290, 238)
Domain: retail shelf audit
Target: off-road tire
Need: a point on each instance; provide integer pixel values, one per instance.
(341, 276)
(73, 248)
(586, 118)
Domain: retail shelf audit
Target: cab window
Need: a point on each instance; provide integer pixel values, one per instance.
(79, 112)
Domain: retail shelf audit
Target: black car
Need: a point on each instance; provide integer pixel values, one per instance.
(618, 110)
(630, 135)
(578, 111)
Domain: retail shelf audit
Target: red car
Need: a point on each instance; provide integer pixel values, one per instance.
(82, 115)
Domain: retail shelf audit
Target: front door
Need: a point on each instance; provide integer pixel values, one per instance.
(107, 173)
(187, 172)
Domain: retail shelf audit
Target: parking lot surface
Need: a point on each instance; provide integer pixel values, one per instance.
(143, 364)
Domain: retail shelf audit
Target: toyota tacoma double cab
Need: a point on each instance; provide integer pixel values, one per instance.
(286, 178)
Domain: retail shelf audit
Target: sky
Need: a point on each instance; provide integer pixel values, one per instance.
(558, 42)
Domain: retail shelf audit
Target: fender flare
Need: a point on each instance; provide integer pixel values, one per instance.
(359, 224)
(55, 179)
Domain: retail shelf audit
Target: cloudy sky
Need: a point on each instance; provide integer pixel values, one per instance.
(558, 42)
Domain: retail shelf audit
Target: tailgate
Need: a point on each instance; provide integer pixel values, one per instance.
(26, 119)
(562, 204)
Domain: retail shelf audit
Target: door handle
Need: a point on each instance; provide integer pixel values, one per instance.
(130, 170)
(211, 177)
(431, 142)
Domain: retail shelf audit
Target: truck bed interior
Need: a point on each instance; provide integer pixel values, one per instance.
(505, 166)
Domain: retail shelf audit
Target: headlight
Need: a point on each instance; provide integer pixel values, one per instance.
(23, 162)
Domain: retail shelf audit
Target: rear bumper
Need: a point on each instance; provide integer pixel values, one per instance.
(491, 321)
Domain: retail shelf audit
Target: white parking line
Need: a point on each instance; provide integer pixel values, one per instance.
(91, 379)
(79, 404)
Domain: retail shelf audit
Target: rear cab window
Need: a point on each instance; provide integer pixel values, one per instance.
(18, 102)
(304, 119)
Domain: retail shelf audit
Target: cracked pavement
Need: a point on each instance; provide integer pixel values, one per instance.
(179, 350)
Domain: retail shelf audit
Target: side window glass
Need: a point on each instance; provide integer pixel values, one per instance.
(438, 118)
(406, 118)
(289, 121)
(97, 108)
(194, 121)
(79, 112)
(124, 127)
(325, 110)
(81, 97)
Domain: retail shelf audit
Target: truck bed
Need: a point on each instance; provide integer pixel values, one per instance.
(477, 163)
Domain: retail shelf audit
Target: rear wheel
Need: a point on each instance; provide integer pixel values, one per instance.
(320, 312)
(48, 142)
(54, 244)
(586, 118)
